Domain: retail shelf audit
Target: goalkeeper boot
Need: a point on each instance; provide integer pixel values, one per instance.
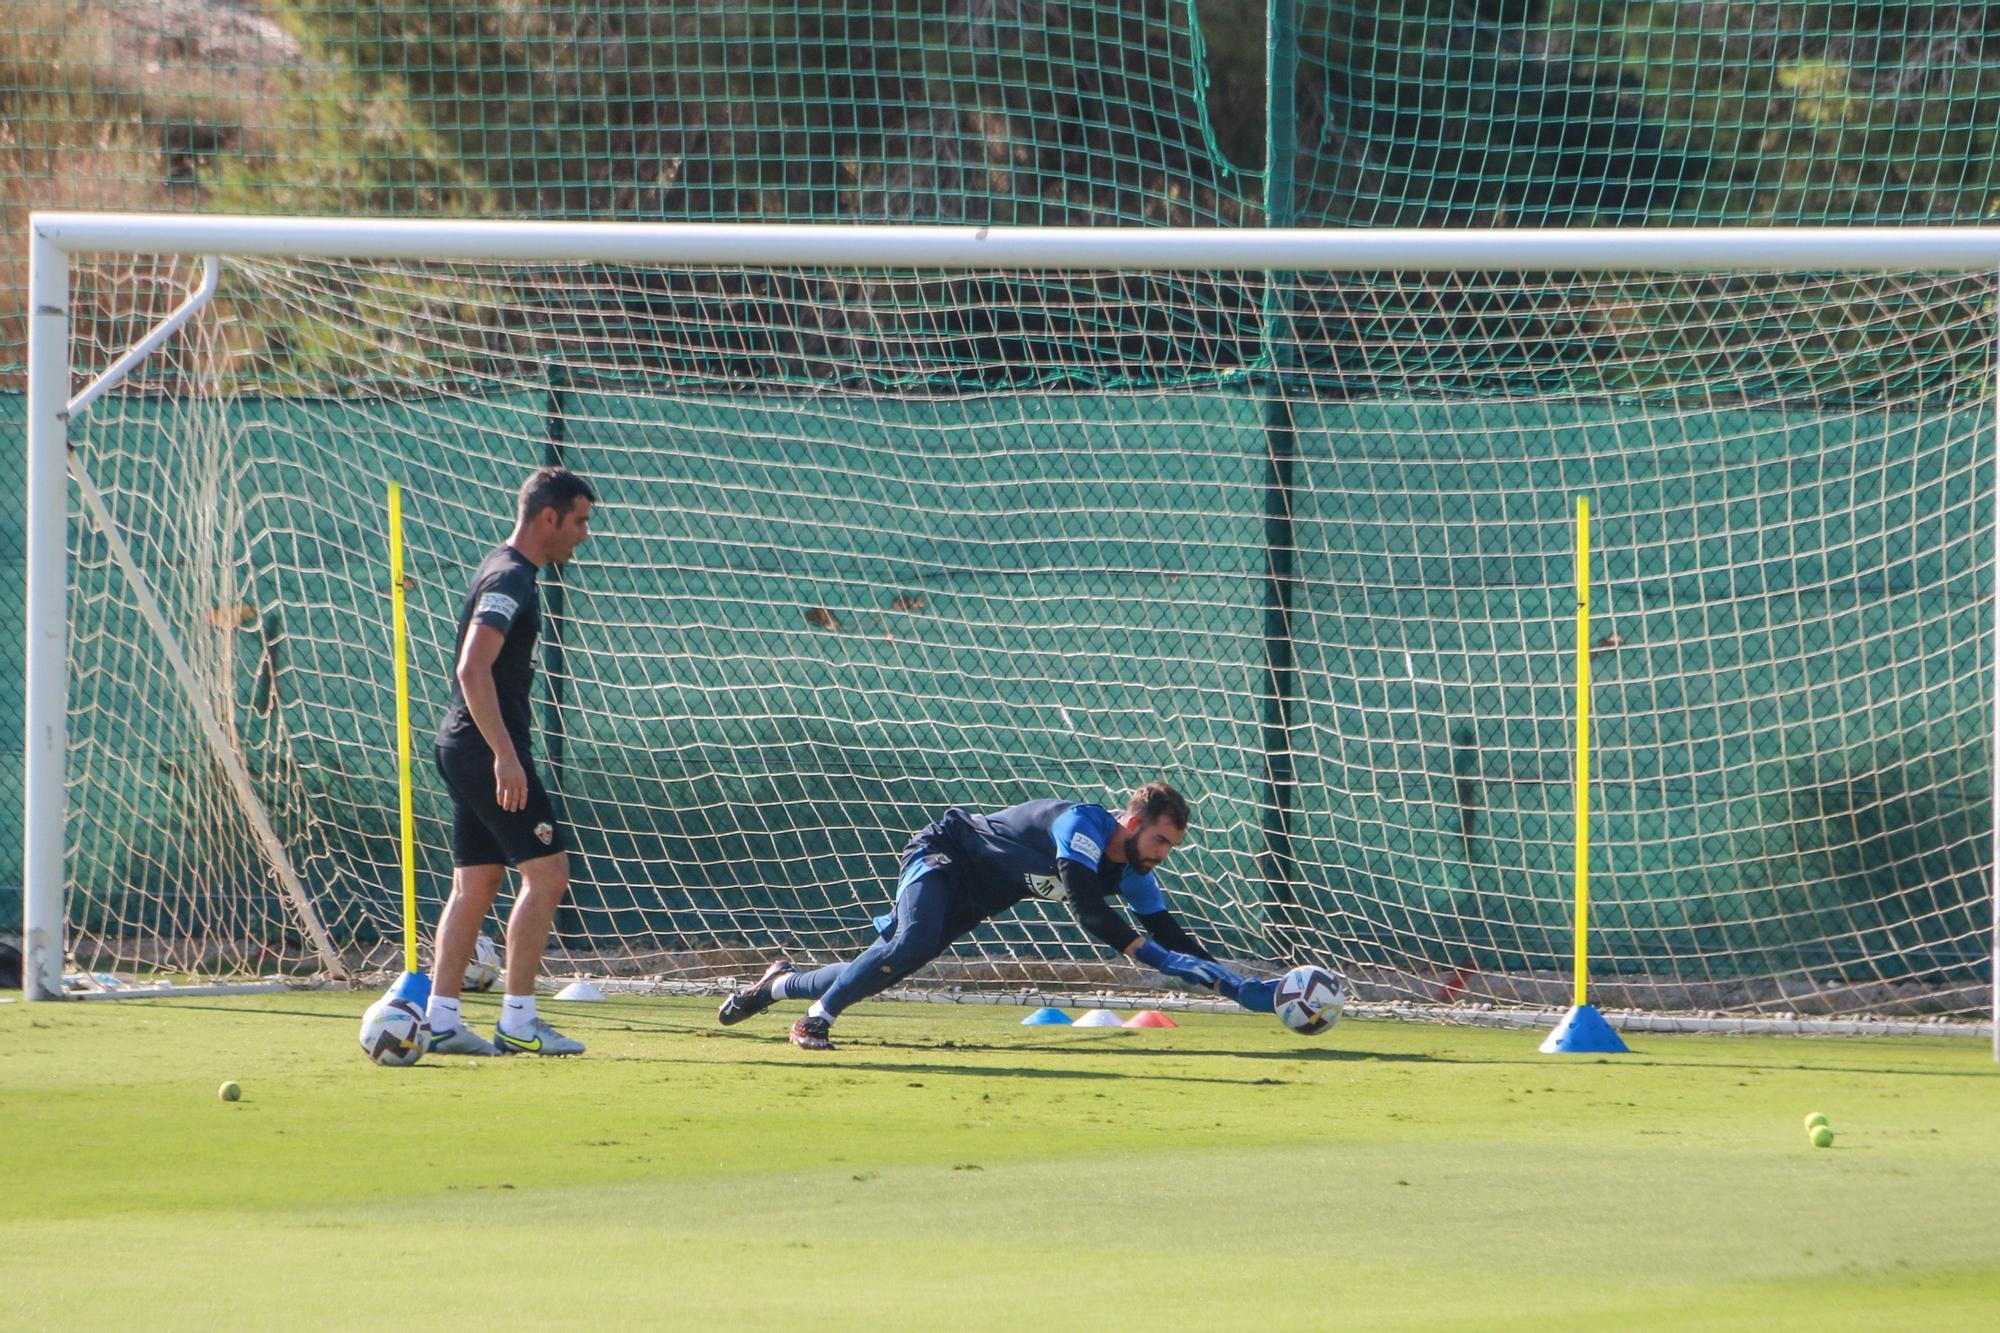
(461, 1041)
(754, 1000)
(813, 1034)
(539, 1039)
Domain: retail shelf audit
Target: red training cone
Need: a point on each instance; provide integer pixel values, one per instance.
(1150, 1018)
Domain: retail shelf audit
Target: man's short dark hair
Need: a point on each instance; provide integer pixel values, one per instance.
(1155, 799)
(554, 488)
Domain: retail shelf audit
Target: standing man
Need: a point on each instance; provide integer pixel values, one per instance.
(500, 814)
(967, 867)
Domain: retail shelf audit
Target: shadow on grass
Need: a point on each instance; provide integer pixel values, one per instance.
(837, 1064)
(1100, 1046)
(172, 1003)
(1141, 1062)
(1105, 1044)
(607, 1022)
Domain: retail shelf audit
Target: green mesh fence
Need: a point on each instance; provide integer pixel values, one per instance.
(1071, 114)
(1410, 112)
(1413, 113)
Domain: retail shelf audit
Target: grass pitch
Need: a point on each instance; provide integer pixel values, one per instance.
(950, 1168)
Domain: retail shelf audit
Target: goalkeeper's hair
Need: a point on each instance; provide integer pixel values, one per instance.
(554, 488)
(1155, 799)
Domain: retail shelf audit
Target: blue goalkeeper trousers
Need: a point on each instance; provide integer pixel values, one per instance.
(915, 936)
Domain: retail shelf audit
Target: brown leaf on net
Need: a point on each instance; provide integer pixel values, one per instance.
(1610, 643)
(822, 617)
(232, 615)
(907, 604)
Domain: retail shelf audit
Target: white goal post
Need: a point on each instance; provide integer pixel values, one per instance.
(1412, 682)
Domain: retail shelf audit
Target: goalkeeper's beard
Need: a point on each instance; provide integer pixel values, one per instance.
(1132, 857)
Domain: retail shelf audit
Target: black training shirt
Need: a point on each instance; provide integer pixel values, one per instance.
(504, 595)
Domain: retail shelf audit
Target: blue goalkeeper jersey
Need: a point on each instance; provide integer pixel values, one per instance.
(996, 860)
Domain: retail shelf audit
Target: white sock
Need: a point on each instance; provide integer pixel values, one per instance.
(778, 988)
(518, 1014)
(442, 1014)
(818, 1010)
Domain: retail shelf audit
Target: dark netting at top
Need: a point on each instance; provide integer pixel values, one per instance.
(1483, 113)
(995, 112)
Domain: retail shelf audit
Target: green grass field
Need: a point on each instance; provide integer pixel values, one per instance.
(949, 1168)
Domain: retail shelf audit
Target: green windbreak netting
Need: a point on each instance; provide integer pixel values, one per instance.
(1773, 590)
(773, 654)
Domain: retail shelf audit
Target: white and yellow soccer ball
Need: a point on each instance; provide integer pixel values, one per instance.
(1310, 1000)
(483, 972)
(393, 1032)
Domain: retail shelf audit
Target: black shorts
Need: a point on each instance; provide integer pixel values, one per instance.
(482, 834)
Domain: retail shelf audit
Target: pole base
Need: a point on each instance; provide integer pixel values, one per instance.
(414, 987)
(1583, 1031)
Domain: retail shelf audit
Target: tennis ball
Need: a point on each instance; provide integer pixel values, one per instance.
(229, 1092)
(1822, 1136)
(1815, 1120)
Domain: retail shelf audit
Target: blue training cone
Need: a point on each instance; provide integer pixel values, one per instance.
(1583, 1031)
(414, 987)
(1046, 1017)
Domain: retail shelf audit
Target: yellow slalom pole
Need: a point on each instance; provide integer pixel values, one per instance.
(401, 634)
(1582, 748)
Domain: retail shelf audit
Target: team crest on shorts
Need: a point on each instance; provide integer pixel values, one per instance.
(546, 832)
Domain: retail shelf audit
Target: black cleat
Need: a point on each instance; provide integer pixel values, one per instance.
(753, 1000)
(813, 1034)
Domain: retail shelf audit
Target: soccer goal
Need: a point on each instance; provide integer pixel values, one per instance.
(896, 519)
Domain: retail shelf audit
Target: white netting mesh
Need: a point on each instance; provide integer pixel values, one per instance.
(874, 544)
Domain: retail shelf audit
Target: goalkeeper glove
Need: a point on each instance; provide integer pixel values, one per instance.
(1187, 968)
(1259, 997)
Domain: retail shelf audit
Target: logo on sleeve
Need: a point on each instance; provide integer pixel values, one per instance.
(498, 604)
(1049, 888)
(1081, 844)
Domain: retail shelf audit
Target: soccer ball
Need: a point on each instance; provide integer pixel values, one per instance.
(393, 1032)
(483, 972)
(1310, 1000)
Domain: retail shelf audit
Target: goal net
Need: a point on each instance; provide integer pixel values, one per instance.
(878, 540)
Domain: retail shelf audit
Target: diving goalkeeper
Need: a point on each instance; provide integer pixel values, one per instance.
(966, 868)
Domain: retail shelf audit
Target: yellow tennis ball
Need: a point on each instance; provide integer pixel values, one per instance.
(229, 1092)
(1822, 1136)
(1815, 1120)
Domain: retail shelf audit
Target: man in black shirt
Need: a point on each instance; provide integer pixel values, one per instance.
(501, 815)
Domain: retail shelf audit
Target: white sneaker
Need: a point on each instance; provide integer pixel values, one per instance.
(541, 1039)
(461, 1041)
